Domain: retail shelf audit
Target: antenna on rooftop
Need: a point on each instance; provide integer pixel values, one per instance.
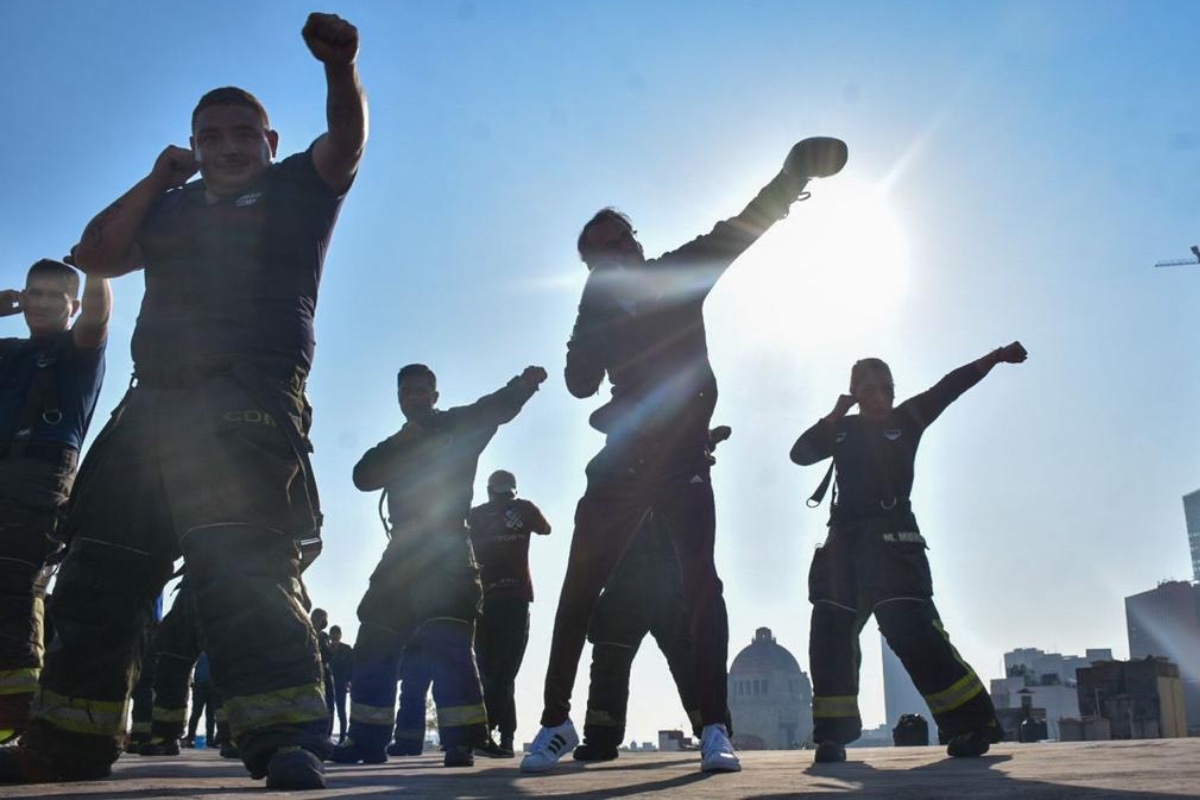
(1183, 262)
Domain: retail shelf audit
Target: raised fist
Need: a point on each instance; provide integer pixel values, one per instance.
(174, 166)
(10, 303)
(533, 376)
(816, 157)
(1013, 353)
(331, 39)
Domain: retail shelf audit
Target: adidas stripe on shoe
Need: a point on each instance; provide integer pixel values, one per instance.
(549, 746)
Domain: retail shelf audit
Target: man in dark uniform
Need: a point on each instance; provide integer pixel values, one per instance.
(641, 323)
(48, 389)
(207, 456)
(341, 664)
(643, 596)
(874, 562)
(427, 578)
(320, 622)
(500, 530)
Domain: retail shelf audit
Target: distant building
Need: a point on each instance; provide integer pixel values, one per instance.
(900, 695)
(770, 697)
(1165, 622)
(1141, 699)
(1045, 683)
(674, 740)
(1191, 515)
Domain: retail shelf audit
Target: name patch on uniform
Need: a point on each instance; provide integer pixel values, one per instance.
(248, 199)
(911, 537)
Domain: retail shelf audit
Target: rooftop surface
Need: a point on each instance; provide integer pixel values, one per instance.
(1163, 768)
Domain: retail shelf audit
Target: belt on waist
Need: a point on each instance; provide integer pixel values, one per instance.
(190, 374)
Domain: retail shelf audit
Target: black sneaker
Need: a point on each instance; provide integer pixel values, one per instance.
(830, 753)
(595, 752)
(458, 755)
(295, 769)
(160, 747)
(506, 743)
(352, 753)
(489, 749)
(976, 742)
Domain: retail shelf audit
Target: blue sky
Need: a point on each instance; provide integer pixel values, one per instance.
(1015, 170)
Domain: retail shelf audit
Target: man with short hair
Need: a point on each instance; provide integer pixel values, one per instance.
(208, 455)
(427, 580)
(500, 531)
(49, 384)
(641, 324)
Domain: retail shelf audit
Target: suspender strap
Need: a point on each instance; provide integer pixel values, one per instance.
(822, 488)
(41, 402)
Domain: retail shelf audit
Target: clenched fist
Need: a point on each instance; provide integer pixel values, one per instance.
(10, 303)
(331, 39)
(174, 166)
(533, 376)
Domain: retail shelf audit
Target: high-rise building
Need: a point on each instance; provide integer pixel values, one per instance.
(1165, 622)
(900, 696)
(1140, 698)
(1191, 514)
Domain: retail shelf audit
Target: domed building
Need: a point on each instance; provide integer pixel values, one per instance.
(770, 697)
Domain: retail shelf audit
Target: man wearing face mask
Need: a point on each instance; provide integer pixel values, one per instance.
(49, 384)
(500, 532)
(427, 579)
(207, 456)
(641, 324)
(874, 562)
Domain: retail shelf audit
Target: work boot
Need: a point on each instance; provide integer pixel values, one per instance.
(352, 753)
(230, 750)
(549, 746)
(405, 748)
(595, 752)
(459, 755)
(160, 747)
(20, 764)
(830, 752)
(295, 769)
(974, 743)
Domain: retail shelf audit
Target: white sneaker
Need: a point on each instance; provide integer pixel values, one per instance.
(716, 751)
(549, 746)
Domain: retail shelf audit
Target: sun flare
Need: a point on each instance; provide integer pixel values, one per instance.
(839, 260)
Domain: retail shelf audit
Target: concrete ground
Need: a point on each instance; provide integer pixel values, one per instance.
(1162, 768)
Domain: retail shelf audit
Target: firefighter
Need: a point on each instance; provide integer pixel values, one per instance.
(641, 323)
(207, 456)
(500, 532)
(873, 560)
(427, 578)
(49, 383)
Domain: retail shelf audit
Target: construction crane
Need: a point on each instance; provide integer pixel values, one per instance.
(1183, 262)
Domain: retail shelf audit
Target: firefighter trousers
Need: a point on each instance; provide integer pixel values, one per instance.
(199, 467)
(879, 567)
(426, 585)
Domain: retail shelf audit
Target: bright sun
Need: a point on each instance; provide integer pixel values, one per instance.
(839, 260)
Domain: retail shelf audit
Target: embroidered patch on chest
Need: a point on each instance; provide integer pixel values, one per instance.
(248, 199)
